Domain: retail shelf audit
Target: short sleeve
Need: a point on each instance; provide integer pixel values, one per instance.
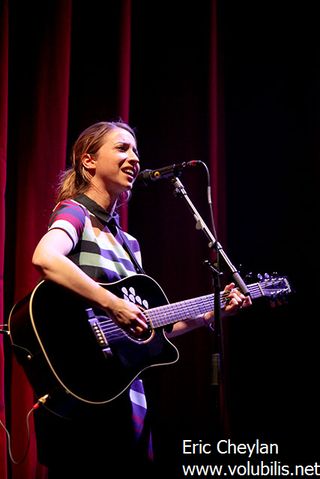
(70, 217)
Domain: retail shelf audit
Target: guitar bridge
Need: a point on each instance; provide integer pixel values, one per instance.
(98, 333)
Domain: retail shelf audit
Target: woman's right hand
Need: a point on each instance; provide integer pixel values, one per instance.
(127, 315)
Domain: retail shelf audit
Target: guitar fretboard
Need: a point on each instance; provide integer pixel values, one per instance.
(191, 308)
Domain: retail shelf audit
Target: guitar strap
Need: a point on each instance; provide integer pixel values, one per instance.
(112, 222)
(126, 246)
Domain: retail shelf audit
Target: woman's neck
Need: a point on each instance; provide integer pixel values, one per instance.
(103, 199)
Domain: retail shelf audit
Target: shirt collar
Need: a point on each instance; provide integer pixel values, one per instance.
(104, 216)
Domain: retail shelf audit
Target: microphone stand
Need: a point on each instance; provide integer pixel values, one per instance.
(216, 274)
(213, 243)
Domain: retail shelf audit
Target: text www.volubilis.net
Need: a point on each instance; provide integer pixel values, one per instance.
(254, 469)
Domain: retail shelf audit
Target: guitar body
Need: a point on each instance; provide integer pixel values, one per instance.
(76, 353)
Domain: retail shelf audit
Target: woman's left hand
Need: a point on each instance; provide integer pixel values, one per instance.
(234, 302)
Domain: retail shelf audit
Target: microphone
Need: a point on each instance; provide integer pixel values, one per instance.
(147, 176)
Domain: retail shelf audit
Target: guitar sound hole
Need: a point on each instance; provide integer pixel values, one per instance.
(142, 337)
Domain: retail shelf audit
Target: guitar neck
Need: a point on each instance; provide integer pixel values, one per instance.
(191, 308)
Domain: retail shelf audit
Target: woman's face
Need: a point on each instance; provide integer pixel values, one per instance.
(116, 163)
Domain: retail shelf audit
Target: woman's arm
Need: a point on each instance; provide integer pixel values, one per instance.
(50, 258)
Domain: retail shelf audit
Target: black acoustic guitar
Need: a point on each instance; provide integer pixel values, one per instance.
(71, 350)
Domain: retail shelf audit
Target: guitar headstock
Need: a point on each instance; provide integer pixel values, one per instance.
(274, 287)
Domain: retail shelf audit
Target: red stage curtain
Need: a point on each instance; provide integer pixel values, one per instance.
(124, 78)
(39, 130)
(3, 170)
(56, 88)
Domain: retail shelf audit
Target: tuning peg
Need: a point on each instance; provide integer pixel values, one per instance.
(263, 277)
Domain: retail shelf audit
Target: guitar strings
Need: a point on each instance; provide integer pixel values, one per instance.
(186, 309)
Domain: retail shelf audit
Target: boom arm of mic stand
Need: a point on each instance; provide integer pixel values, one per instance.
(213, 243)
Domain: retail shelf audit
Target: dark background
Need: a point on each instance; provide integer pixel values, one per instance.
(265, 194)
(269, 70)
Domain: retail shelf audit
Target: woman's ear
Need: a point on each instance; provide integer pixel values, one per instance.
(88, 161)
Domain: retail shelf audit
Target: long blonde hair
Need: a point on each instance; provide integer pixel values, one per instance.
(76, 180)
